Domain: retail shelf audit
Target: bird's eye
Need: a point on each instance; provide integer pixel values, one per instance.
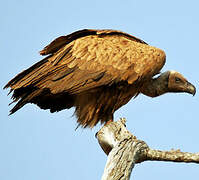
(177, 80)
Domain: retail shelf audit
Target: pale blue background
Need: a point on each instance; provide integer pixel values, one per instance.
(38, 145)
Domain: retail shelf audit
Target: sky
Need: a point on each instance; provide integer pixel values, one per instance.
(39, 145)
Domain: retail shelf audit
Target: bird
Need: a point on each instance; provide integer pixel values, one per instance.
(97, 72)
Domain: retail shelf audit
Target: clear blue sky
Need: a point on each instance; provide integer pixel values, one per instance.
(38, 145)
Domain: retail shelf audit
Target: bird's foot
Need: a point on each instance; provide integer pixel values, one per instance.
(108, 122)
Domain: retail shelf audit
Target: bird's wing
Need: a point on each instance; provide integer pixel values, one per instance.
(88, 59)
(63, 40)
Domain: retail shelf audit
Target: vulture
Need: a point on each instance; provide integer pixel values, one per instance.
(97, 72)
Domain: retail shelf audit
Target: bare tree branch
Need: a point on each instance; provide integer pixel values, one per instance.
(173, 155)
(124, 150)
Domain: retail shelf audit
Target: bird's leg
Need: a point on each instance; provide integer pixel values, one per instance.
(109, 120)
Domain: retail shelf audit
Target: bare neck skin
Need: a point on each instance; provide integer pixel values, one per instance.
(156, 86)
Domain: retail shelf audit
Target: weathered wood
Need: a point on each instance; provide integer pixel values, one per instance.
(124, 150)
(172, 155)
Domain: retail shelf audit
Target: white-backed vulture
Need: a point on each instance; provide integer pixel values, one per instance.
(97, 72)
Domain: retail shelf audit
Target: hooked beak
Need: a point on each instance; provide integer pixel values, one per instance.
(191, 88)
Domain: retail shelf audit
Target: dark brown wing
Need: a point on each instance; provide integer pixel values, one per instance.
(81, 62)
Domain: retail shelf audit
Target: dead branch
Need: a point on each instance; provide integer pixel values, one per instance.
(124, 150)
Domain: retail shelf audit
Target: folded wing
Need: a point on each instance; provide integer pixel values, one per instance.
(81, 63)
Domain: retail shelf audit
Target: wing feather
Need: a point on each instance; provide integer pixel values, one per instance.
(83, 61)
(118, 58)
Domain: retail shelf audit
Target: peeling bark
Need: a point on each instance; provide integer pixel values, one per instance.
(124, 150)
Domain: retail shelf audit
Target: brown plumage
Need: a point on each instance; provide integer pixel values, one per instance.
(97, 72)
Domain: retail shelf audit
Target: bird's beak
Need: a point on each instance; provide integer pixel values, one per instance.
(191, 88)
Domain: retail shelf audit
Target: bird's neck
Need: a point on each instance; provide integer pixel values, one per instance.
(156, 86)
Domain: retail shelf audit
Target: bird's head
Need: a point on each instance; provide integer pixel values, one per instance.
(177, 83)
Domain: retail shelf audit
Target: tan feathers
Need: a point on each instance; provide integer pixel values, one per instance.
(97, 71)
